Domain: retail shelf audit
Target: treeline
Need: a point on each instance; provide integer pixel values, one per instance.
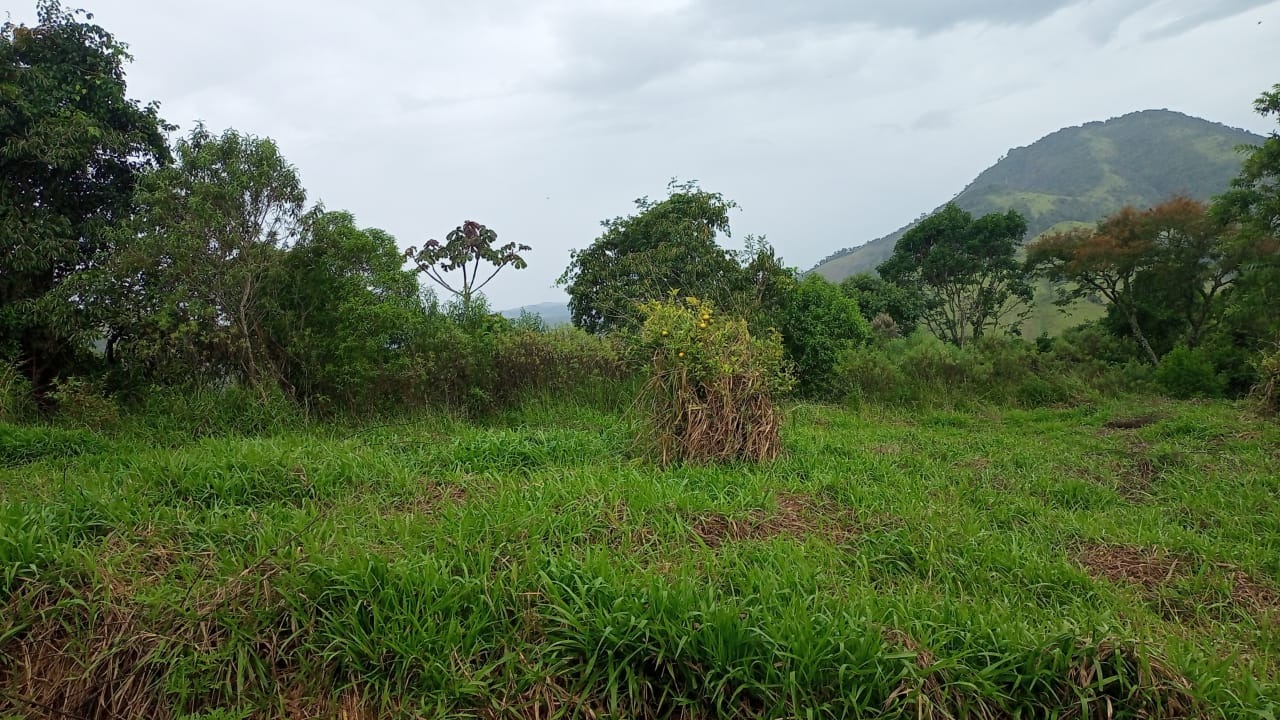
(133, 266)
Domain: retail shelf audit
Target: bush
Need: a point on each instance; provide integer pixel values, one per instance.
(819, 323)
(712, 386)
(1187, 373)
(560, 361)
(15, 394)
(83, 403)
(924, 371)
(1266, 393)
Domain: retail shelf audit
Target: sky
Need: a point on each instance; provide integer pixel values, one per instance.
(830, 122)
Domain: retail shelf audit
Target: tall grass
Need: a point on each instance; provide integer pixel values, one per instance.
(892, 563)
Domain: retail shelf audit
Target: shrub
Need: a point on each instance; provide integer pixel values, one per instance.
(1186, 373)
(711, 390)
(819, 322)
(560, 361)
(1266, 393)
(15, 394)
(83, 403)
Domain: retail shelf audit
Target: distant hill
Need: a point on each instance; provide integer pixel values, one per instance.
(552, 313)
(1082, 174)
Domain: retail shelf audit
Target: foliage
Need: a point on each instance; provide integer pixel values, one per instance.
(819, 322)
(965, 271)
(1253, 200)
(464, 249)
(560, 362)
(670, 246)
(1189, 372)
(187, 292)
(712, 386)
(875, 296)
(1266, 393)
(15, 394)
(72, 146)
(345, 316)
(84, 404)
(922, 371)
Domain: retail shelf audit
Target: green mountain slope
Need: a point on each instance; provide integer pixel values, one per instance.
(1082, 174)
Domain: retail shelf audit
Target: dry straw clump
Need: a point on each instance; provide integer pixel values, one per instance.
(712, 386)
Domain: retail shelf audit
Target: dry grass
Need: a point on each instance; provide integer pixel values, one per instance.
(732, 418)
(796, 515)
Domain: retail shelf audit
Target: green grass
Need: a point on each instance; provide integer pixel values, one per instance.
(895, 562)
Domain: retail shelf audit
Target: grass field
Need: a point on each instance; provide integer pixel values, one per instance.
(1120, 559)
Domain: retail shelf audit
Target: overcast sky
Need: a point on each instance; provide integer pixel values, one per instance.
(831, 122)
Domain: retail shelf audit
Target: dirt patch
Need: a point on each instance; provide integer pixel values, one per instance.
(796, 515)
(433, 496)
(887, 449)
(1130, 423)
(1149, 568)
(1252, 596)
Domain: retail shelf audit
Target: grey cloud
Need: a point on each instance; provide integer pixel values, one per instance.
(1200, 13)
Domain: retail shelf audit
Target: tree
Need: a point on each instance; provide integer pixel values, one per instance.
(1250, 209)
(668, 245)
(72, 146)
(965, 270)
(345, 313)
(189, 277)
(1253, 200)
(1170, 265)
(465, 248)
(819, 322)
(877, 296)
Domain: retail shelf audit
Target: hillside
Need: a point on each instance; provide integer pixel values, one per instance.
(1081, 174)
(552, 313)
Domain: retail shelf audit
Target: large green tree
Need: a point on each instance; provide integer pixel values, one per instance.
(345, 314)
(72, 146)
(190, 279)
(667, 245)
(965, 270)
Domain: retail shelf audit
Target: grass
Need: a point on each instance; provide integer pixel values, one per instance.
(1119, 559)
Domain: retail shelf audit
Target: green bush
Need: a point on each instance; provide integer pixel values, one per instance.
(83, 403)
(818, 324)
(924, 371)
(15, 394)
(1187, 373)
(560, 361)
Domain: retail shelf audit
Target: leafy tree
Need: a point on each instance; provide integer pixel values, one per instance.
(965, 270)
(465, 248)
(189, 285)
(72, 146)
(1253, 199)
(876, 296)
(1251, 210)
(667, 245)
(1168, 268)
(346, 314)
(819, 322)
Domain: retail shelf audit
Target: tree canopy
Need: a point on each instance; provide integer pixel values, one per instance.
(965, 270)
(72, 147)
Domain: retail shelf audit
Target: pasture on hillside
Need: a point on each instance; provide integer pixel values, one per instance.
(1114, 559)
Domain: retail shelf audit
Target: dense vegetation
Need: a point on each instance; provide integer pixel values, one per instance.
(252, 466)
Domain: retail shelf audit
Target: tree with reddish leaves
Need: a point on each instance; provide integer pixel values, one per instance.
(465, 248)
(1174, 258)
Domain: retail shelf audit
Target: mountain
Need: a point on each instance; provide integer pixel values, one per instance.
(1082, 174)
(552, 313)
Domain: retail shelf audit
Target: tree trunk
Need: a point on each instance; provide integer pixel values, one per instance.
(1132, 317)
